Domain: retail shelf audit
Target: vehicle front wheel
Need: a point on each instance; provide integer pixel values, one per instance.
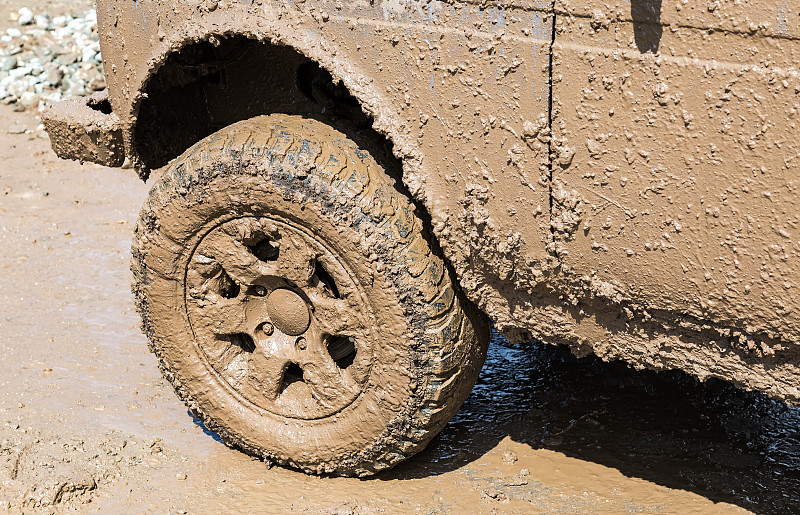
(294, 303)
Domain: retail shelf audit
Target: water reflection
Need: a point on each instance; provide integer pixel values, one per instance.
(709, 438)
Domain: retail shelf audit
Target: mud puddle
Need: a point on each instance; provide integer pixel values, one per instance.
(86, 422)
(708, 438)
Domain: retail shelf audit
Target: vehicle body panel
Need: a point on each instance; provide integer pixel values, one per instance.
(685, 162)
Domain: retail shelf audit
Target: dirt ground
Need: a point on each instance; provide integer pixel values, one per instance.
(86, 421)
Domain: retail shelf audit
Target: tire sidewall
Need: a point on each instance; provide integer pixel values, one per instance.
(429, 342)
(237, 187)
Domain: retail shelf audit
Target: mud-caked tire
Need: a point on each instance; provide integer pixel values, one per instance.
(293, 300)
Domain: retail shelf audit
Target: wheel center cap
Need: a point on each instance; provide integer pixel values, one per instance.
(288, 312)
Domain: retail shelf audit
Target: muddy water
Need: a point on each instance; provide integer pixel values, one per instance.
(711, 439)
(86, 421)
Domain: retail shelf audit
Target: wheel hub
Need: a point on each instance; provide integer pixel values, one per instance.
(279, 317)
(288, 312)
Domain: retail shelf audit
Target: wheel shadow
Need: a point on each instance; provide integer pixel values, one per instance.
(206, 431)
(668, 428)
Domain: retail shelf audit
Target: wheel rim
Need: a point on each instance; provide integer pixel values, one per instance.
(279, 317)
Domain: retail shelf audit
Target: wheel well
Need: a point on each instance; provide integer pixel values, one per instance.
(210, 84)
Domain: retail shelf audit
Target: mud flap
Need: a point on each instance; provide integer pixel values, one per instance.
(85, 129)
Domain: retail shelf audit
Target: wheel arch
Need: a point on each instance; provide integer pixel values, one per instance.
(366, 115)
(245, 75)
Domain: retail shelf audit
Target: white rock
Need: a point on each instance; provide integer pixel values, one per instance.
(8, 63)
(25, 16)
(20, 72)
(53, 97)
(28, 98)
(77, 25)
(42, 20)
(88, 54)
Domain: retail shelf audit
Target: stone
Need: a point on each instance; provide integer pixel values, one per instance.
(98, 84)
(25, 16)
(54, 77)
(20, 71)
(42, 21)
(88, 54)
(28, 99)
(67, 58)
(17, 128)
(8, 63)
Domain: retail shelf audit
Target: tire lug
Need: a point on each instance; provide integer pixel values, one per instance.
(260, 291)
(301, 343)
(268, 328)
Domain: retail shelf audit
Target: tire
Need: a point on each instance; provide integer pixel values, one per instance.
(294, 303)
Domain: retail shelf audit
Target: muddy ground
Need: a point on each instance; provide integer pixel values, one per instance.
(87, 422)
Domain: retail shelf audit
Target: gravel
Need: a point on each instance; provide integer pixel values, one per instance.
(46, 59)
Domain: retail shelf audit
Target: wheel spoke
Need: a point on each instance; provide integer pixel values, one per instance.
(329, 384)
(235, 258)
(265, 372)
(295, 260)
(336, 317)
(222, 316)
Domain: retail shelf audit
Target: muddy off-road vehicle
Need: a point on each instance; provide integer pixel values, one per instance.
(353, 189)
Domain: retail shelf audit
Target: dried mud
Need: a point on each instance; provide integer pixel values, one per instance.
(87, 422)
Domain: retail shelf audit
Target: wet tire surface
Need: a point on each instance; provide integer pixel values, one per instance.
(268, 207)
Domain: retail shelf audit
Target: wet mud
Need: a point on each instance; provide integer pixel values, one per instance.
(87, 422)
(709, 438)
